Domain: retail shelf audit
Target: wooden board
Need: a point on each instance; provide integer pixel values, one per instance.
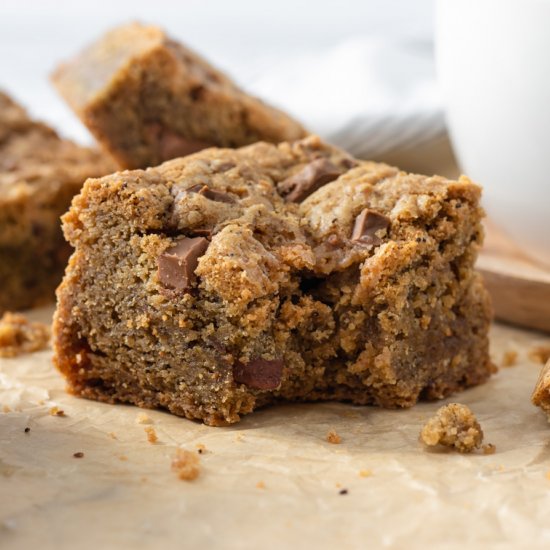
(520, 288)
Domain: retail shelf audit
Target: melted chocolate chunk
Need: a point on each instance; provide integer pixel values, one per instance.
(170, 144)
(212, 194)
(259, 374)
(313, 176)
(367, 224)
(176, 266)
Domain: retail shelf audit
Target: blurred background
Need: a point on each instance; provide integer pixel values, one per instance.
(358, 72)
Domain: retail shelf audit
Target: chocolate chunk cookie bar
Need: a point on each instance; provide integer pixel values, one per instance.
(147, 99)
(230, 279)
(39, 174)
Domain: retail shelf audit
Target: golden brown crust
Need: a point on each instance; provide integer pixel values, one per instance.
(39, 175)
(285, 304)
(148, 99)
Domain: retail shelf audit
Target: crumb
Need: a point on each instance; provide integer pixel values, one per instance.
(539, 354)
(453, 425)
(56, 411)
(239, 437)
(333, 437)
(151, 434)
(144, 479)
(186, 465)
(343, 492)
(509, 358)
(112, 435)
(27, 430)
(201, 448)
(18, 335)
(124, 458)
(365, 473)
(80, 454)
(260, 485)
(6, 409)
(489, 449)
(143, 418)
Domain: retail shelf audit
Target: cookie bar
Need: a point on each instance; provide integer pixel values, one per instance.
(231, 279)
(147, 99)
(541, 393)
(39, 174)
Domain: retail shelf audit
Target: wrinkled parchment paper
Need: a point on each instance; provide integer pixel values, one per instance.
(272, 481)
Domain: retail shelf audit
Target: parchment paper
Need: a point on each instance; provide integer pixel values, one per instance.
(272, 481)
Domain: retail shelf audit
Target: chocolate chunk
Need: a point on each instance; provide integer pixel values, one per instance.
(367, 224)
(212, 194)
(170, 144)
(259, 374)
(176, 266)
(310, 178)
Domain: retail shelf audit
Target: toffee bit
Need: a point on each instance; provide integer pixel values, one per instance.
(27, 430)
(489, 449)
(343, 492)
(79, 454)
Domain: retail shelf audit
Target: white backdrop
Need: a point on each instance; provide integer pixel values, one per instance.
(357, 72)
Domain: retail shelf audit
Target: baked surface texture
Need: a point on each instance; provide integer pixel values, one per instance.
(231, 279)
(39, 175)
(147, 99)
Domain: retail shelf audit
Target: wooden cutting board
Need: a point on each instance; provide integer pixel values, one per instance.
(519, 287)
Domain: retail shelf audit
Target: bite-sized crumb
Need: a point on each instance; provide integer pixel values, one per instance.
(260, 485)
(539, 354)
(343, 492)
(6, 409)
(143, 418)
(365, 473)
(509, 358)
(123, 458)
(455, 426)
(112, 435)
(186, 464)
(56, 411)
(79, 454)
(239, 437)
(201, 448)
(489, 449)
(151, 434)
(27, 430)
(333, 437)
(18, 335)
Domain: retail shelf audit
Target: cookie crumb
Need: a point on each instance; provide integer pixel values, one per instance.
(151, 434)
(123, 458)
(509, 358)
(27, 430)
(239, 437)
(18, 335)
(454, 426)
(6, 409)
(489, 449)
(56, 411)
(143, 418)
(365, 473)
(186, 464)
(343, 492)
(79, 454)
(201, 448)
(260, 485)
(112, 435)
(539, 354)
(333, 437)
